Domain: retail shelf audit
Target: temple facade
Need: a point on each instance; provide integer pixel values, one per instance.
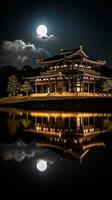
(68, 72)
(71, 134)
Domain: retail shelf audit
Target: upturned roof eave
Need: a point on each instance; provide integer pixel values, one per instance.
(99, 62)
(44, 76)
(80, 51)
(50, 61)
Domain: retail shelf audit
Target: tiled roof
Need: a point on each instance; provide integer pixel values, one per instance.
(74, 54)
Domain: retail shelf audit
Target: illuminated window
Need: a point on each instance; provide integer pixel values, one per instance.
(85, 77)
(78, 89)
(75, 141)
(85, 131)
(37, 128)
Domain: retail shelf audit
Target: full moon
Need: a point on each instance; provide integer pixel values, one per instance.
(42, 30)
(41, 165)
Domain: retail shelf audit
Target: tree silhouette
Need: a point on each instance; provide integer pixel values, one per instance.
(26, 87)
(14, 86)
(107, 86)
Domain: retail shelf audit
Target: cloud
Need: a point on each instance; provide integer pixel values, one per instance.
(17, 45)
(49, 42)
(47, 38)
(18, 53)
(19, 150)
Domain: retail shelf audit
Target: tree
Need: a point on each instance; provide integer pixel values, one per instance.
(5, 73)
(108, 124)
(13, 125)
(14, 86)
(26, 87)
(107, 86)
(26, 122)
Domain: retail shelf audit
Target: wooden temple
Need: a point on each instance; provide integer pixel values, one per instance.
(70, 71)
(72, 135)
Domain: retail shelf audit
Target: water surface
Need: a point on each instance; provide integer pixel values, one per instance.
(46, 151)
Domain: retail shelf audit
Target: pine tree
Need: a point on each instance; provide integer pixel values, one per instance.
(26, 87)
(107, 86)
(14, 86)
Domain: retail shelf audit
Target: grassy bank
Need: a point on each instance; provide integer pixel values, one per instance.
(77, 103)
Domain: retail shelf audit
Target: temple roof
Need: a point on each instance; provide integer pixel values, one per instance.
(68, 52)
(73, 72)
(77, 54)
(46, 76)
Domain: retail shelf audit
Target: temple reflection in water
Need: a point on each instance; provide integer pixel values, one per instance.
(70, 134)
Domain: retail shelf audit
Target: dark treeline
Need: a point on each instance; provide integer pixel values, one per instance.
(28, 71)
(7, 71)
(105, 71)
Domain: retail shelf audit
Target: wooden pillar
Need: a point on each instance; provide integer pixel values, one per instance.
(74, 88)
(69, 123)
(35, 121)
(88, 87)
(69, 87)
(78, 122)
(94, 121)
(88, 122)
(65, 89)
(35, 87)
(48, 119)
(41, 88)
(48, 89)
(94, 87)
(42, 122)
(82, 86)
(55, 121)
(27, 115)
(82, 122)
(55, 88)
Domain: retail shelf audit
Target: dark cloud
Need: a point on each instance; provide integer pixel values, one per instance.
(18, 53)
(19, 150)
(50, 42)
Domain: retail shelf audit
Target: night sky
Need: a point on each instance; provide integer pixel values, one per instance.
(71, 24)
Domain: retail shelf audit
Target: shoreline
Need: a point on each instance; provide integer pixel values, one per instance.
(75, 103)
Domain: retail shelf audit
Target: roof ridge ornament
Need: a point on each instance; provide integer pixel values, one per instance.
(81, 47)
